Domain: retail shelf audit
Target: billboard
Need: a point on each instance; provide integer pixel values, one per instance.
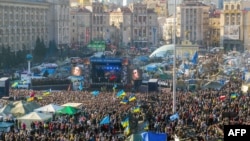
(136, 74)
(232, 32)
(76, 71)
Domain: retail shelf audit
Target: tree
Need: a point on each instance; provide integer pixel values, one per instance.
(39, 51)
(52, 50)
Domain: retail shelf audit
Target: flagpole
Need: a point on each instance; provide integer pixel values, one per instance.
(174, 60)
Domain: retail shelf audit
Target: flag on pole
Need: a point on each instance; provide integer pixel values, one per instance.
(47, 92)
(125, 122)
(95, 93)
(195, 58)
(174, 117)
(132, 98)
(105, 120)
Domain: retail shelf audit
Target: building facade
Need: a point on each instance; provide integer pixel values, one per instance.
(80, 27)
(59, 22)
(193, 19)
(144, 26)
(120, 27)
(22, 22)
(213, 34)
(99, 21)
(234, 26)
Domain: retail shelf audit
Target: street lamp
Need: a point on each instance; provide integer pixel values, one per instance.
(174, 61)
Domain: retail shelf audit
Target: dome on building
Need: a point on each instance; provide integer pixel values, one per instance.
(163, 51)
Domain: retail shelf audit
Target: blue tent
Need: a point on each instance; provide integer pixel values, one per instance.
(150, 136)
(151, 67)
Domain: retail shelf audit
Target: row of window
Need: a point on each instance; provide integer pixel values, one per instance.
(232, 7)
(20, 38)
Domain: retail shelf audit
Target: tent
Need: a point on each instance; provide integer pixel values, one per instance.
(34, 116)
(68, 110)
(5, 125)
(134, 137)
(21, 107)
(148, 136)
(51, 108)
(76, 105)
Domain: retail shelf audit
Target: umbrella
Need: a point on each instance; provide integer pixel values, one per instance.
(68, 110)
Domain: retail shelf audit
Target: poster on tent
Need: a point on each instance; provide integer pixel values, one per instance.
(77, 83)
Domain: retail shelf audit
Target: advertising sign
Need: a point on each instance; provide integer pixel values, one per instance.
(232, 32)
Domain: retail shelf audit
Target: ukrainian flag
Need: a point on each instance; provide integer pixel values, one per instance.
(47, 92)
(30, 99)
(125, 123)
(121, 94)
(14, 85)
(233, 96)
(124, 101)
(127, 131)
(146, 126)
(136, 109)
(132, 98)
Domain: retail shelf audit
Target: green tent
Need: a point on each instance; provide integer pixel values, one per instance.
(68, 110)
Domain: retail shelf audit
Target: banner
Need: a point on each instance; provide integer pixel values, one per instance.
(232, 32)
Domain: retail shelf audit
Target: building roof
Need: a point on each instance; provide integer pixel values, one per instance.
(162, 51)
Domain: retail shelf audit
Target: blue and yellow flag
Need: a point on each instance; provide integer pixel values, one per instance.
(14, 85)
(124, 101)
(132, 98)
(121, 94)
(146, 126)
(47, 92)
(114, 87)
(125, 123)
(127, 131)
(234, 95)
(30, 99)
(136, 109)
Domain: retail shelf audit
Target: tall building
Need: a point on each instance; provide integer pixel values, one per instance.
(80, 19)
(160, 6)
(58, 22)
(192, 19)
(171, 6)
(99, 21)
(144, 26)
(235, 26)
(120, 31)
(22, 22)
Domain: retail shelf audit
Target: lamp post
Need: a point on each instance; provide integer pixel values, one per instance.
(174, 61)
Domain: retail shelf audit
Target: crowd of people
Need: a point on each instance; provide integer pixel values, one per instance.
(202, 114)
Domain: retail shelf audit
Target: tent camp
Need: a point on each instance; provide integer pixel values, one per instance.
(19, 108)
(51, 108)
(33, 116)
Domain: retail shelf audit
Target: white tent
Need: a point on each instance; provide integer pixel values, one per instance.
(51, 108)
(75, 105)
(33, 117)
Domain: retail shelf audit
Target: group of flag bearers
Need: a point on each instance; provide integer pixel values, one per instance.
(125, 99)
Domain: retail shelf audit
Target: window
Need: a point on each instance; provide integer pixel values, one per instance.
(238, 6)
(226, 7)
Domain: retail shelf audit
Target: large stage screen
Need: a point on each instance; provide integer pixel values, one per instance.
(102, 72)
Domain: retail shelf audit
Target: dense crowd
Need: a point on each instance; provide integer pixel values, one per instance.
(201, 115)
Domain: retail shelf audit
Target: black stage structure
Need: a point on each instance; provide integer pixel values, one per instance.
(106, 72)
